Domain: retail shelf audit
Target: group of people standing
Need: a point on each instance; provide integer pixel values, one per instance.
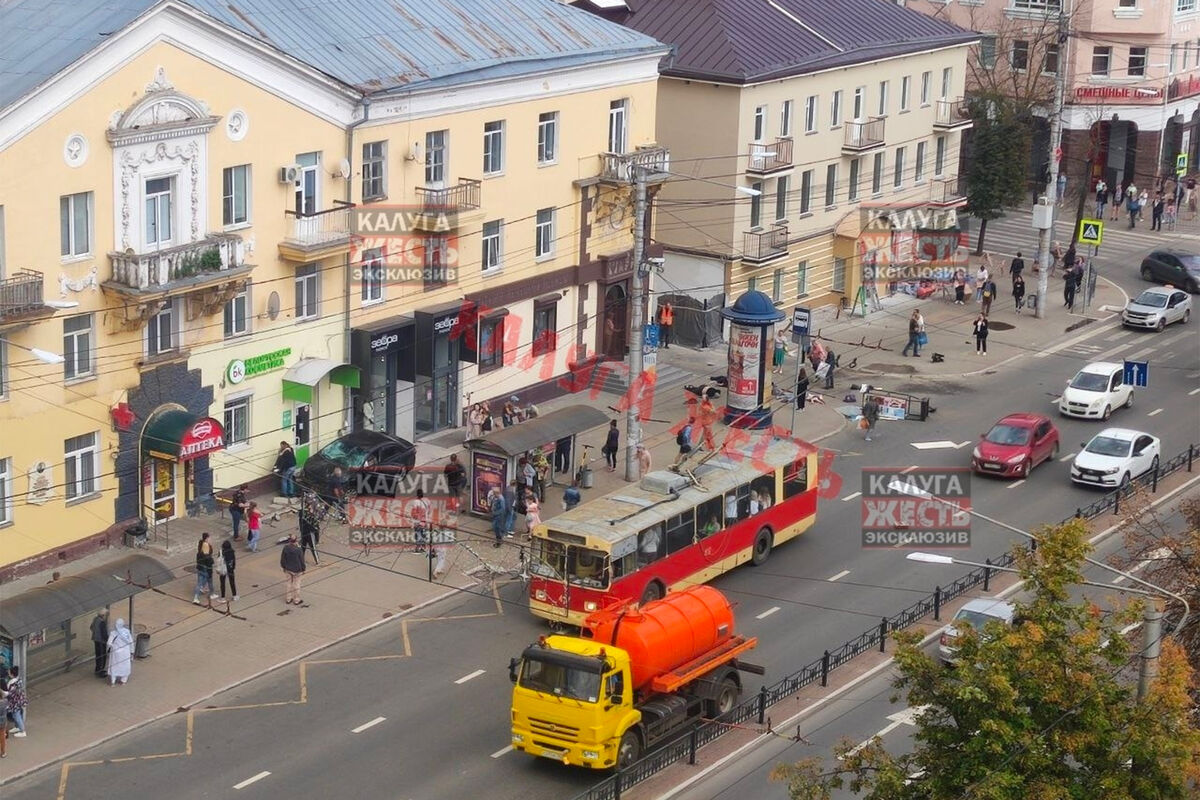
(481, 420)
(1169, 196)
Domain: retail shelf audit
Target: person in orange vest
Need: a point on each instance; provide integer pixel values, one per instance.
(666, 318)
(708, 416)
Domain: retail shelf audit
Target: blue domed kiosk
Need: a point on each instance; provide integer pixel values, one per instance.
(752, 319)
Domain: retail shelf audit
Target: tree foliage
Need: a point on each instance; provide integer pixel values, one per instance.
(1044, 709)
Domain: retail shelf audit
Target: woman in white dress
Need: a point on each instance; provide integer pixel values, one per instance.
(120, 654)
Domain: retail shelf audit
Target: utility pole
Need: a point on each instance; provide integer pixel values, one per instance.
(1044, 234)
(1151, 641)
(637, 302)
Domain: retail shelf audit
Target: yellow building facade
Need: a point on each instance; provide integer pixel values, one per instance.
(213, 291)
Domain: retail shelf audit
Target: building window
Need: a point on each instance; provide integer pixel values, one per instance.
(435, 261)
(547, 148)
(947, 82)
(785, 118)
(777, 286)
(1185, 6)
(543, 244)
(781, 198)
(919, 164)
(374, 176)
(802, 278)
(806, 185)
(159, 192)
(1050, 61)
(80, 465)
(756, 204)
(810, 114)
(987, 52)
(309, 184)
(905, 91)
(835, 110)
(162, 334)
(1036, 5)
(235, 195)
(831, 184)
(492, 244)
(877, 174)
(6, 495)
(852, 184)
(839, 275)
(1018, 57)
(493, 147)
(75, 224)
(77, 347)
(860, 102)
(752, 283)
(760, 123)
(307, 284)
(491, 343)
(237, 314)
(436, 143)
(1187, 55)
(1101, 60)
(371, 275)
(898, 174)
(926, 86)
(1137, 60)
(237, 421)
(618, 126)
(939, 155)
(883, 98)
(545, 328)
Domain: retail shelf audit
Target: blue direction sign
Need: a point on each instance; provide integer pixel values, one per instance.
(1137, 373)
(650, 335)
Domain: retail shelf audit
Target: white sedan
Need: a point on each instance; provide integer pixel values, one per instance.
(1095, 391)
(1114, 457)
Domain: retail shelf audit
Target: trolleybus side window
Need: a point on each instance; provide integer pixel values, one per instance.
(795, 480)
(710, 517)
(763, 489)
(681, 531)
(650, 544)
(743, 501)
(625, 565)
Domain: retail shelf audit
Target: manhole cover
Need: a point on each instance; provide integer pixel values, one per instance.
(1000, 326)
(894, 369)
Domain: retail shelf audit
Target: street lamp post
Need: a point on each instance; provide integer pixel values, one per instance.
(45, 356)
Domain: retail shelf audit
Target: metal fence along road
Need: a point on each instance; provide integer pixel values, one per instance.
(755, 708)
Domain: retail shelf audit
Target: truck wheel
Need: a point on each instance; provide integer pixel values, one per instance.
(762, 547)
(630, 749)
(725, 699)
(653, 591)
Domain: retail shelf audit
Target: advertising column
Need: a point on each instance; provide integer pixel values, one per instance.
(752, 321)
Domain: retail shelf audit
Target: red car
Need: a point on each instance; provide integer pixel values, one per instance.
(1015, 445)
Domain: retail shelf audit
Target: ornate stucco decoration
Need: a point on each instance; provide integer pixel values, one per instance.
(133, 161)
(75, 150)
(163, 112)
(88, 281)
(41, 483)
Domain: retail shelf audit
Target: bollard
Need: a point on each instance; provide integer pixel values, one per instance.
(692, 746)
(987, 573)
(762, 705)
(882, 634)
(1117, 501)
(1078, 512)
(824, 675)
(1154, 480)
(937, 603)
(617, 784)
(1190, 453)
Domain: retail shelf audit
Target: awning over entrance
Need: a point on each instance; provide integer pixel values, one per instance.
(522, 438)
(298, 382)
(178, 435)
(76, 595)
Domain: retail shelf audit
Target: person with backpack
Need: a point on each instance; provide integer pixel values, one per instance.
(204, 569)
(988, 294)
(684, 440)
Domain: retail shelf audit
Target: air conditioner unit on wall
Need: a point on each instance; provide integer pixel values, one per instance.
(290, 174)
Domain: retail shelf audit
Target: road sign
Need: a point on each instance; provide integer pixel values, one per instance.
(1091, 231)
(1137, 373)
(801, 317)
(1181, 164)
(650, 336)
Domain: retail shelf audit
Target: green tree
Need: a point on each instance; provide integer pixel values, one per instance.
(1045, 709)
(996, 172)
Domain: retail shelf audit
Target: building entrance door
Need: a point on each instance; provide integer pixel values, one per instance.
(614, 326)
(162, 479)
(301, 432)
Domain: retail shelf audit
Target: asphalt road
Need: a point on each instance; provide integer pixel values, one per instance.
(436, 721)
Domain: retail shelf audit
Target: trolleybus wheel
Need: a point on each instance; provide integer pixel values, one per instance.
(762, 547)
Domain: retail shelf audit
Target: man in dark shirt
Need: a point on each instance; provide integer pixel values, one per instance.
(291, 560)
(456, 477)
(1017, 266)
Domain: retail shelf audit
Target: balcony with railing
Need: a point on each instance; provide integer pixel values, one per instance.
(763, 247)
(770, 158)
(863, 135)
(445, 207)
(22, 297)
(948, 192)
(952, 115)
(653, 161)
(308, 237)
(180, 269)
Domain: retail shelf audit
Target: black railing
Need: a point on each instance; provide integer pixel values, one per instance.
(21, 292)
(755, 707)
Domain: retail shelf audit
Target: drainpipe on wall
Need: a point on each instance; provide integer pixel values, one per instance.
(365, 103)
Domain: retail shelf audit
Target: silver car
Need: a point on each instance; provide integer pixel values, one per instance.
(975, 614)
(1158, 307)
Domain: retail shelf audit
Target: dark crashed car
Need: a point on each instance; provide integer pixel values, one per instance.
(356, 453)
(1177, 268)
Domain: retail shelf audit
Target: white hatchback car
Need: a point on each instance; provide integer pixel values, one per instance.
(977, 614)
(1114, 457)
(1095, 391)
(1158, 307)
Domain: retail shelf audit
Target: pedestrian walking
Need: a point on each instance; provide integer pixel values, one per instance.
(830, 365)
(511, 497)
(1061, 187)
(204, 569)
(611, 446)
(227, 569)
(120, 654)
(528, 473)
(988, 294)
(237, 509)
(643, 459)
(684, 440)
(533, 514)
(285, 468)
(960, 286)
(780, 353)
(981, 277)
(1069, 289)
(666, 321)
(1116, 200)
(456, 478)
(419, 513)
(816, 354)
(291, 561)
(571, 496)
(1056, 256)
(100, 641)
(1131, 205)
(708, 418)
(801, 389)
(1156, 213)
(1018, 291)
(981, 334)
(1143, 201)
(1101, 198)
(914, 328)
(1189, 197)
(17, 701)
(541, 473)
(499, 512)
(310, 533)
(870, 415)
(253, 526)
(1017, 266)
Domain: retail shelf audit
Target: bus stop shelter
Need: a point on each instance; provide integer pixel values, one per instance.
(493, 458)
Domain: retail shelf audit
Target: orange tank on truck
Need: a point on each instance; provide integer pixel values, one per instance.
(635, 677)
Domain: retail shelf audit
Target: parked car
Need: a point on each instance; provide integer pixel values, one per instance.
(1015, 445)
(354, 452)
(1175, 267)
(1114, 457)
(976, 614)
(1157, 308)
(1095, 391)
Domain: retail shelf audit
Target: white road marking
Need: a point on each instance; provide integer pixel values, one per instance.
(1119, 579)
(366, 725)
(1056, 400)
(1119, 335)
(249, 781)
(502, 752)
(1193, 392)
(907, 470)
(1015, 484)
(939, 445)
(1176, 337)
(1067, 457)
(839, 576)
(850, 497)
(768, 612)
(1145, 351)
(1130, 628)
(474, 674)
(1155, 412)
(1117, 349)
(907, 716)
